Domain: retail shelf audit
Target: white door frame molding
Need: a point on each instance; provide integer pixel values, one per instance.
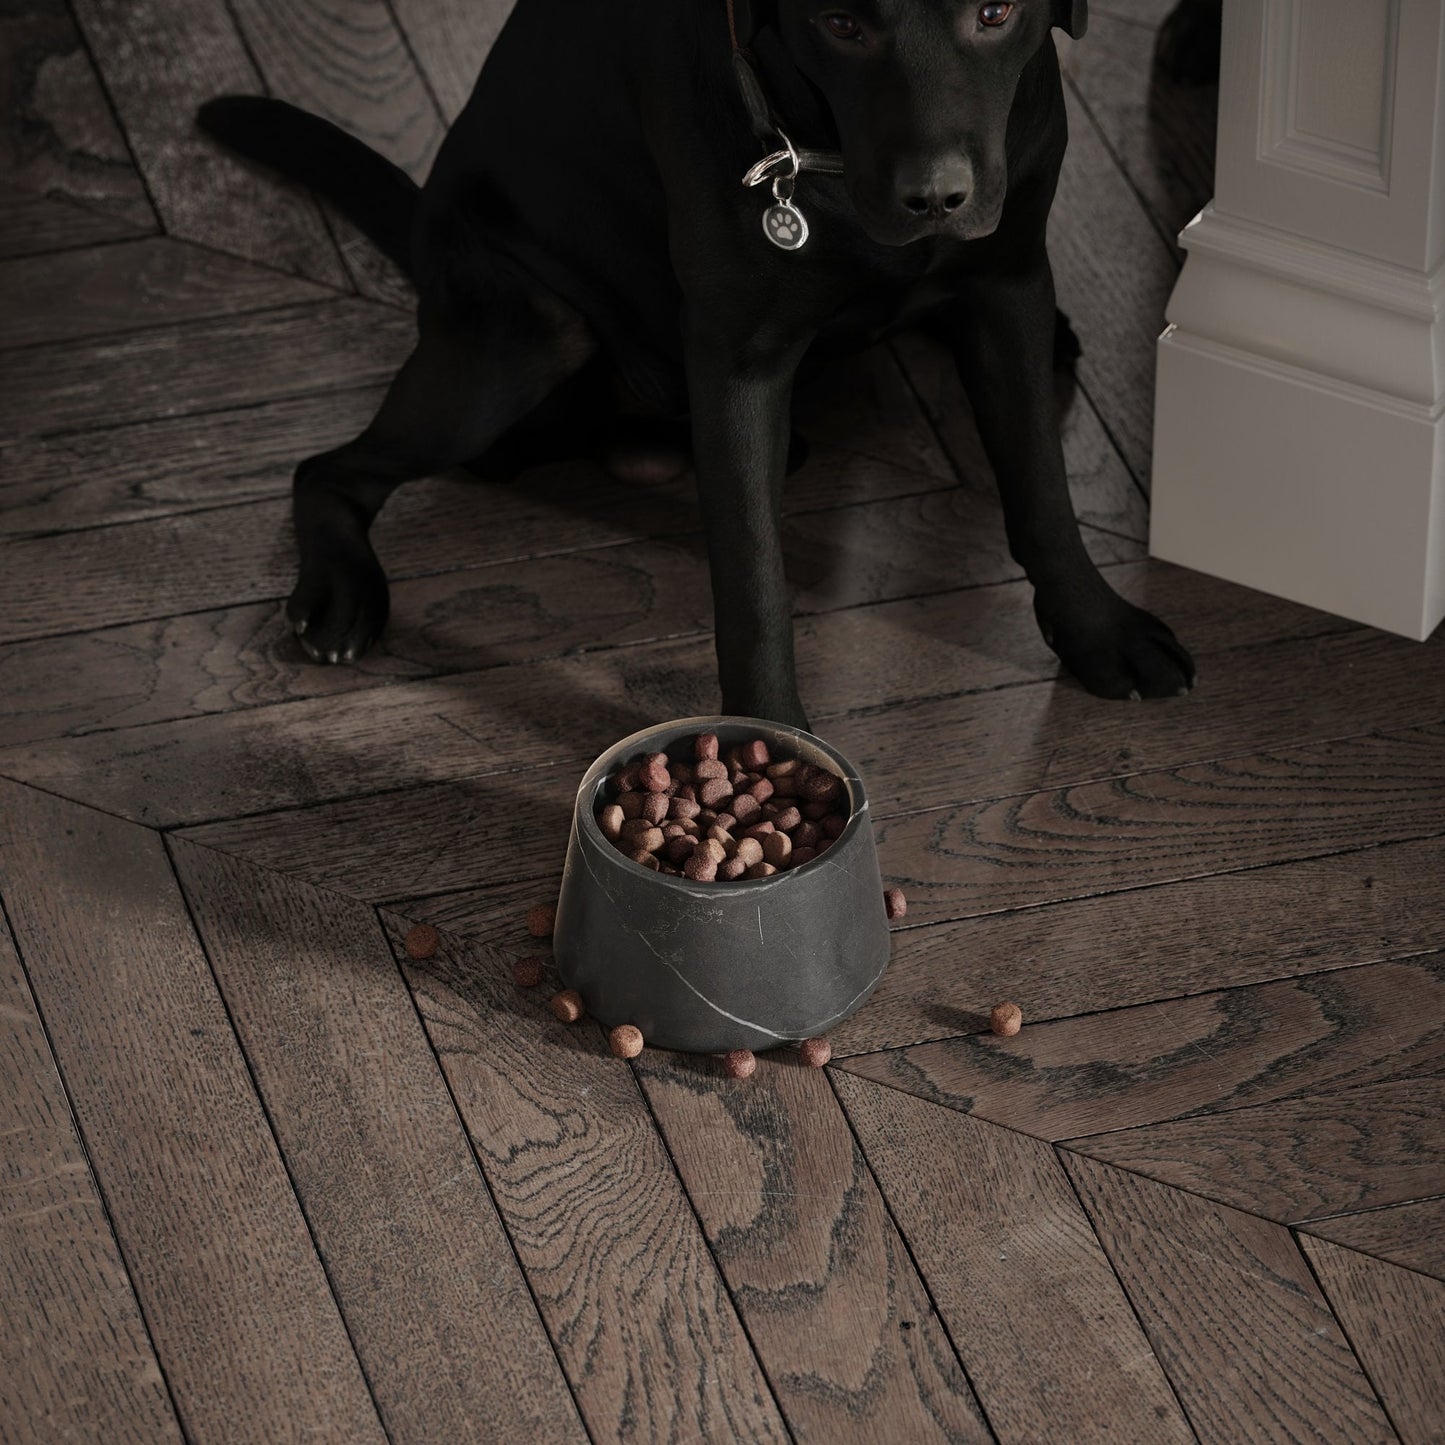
(1299, 422)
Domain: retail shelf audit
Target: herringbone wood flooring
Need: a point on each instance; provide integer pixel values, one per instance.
(266, 1178)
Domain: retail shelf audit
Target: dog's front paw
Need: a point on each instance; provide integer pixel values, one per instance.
(1116, 649)
(340, 602)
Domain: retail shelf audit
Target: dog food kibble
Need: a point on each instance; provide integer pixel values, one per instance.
(567, 1005)
(422, 941)
(815, 1052)
(724, 814)
(625, 1041)
(528, 972)
(541, 919)
(894, 903)
(1006, 1019)
(739, 1064)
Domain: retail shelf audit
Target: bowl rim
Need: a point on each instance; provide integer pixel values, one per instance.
(586, 820)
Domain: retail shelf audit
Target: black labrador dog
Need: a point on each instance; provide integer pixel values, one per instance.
(589, 206)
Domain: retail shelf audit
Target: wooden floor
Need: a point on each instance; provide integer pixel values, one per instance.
(264, 1178)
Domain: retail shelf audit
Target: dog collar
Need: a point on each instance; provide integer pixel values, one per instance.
(783, 223)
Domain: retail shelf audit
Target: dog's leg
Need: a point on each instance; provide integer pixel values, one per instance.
(1003, 341)
(740, 395)
(462, 387)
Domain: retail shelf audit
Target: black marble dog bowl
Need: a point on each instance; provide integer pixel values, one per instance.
(709, 967)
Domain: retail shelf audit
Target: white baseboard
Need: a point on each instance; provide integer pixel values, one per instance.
(1300, 425)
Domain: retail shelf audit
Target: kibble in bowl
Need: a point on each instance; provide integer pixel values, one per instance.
(704, 930)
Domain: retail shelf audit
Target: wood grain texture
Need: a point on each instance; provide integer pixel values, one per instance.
(75, 1361)
(832, 1303)
(57, 134)
(1113, 273)
(451, 39)
(1409, 1234)
(1186, 1056)
(1103, 492)
(36, 225)
(160, 61)
(630, 594)
(1233, 1314)
(1182, 938)
(199, 366)
(1016, 1272)
(1396, 1321)
(1160, 133)
(162, 468)
(237, 1303)
(641, 1321)
(1145, 829)
(421, 1266)
(1026, 738)
(1296, 1159)
(221, 659)
(154, 281)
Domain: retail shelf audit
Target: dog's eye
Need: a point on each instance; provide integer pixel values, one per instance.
(994, 14)
(845, 27)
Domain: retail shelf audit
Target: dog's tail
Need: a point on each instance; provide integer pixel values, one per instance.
(377, 196)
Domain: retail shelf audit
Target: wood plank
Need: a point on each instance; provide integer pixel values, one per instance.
(451, 39)
(641, 1321)
(75, 1361)
(238, 1306)
(1396, 1321)
(214, 661)
(199, 366)
(1409, 1234)
(178, 464)
(1108, 952)
(491, 839)
(832, 1303)
(149, 282)
(59, 137)
(1145, 829)
(1103, 492)
(1160, 132)
(160, 566)
(1030, 1301)
(1113, 273)
(1100, 953)
(1181, 1057)
(433, 1299)
(1027, 738)
(614, 597)
(36, 225)
(160, 61)
(1296, 1159)
(1233, 1314)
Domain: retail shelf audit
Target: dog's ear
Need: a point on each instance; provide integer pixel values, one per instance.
(749, 16)
(1072, 16)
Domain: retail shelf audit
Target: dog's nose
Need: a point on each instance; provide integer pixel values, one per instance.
(932, 203)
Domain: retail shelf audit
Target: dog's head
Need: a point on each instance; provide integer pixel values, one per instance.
(920, 93)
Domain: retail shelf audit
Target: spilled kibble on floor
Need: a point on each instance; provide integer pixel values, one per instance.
(541, 919)
(422, 941)
(625, 1041)
(739, 1064)
(568, 1006)
(528, 972)
(815, 1052)
(1006, 1019)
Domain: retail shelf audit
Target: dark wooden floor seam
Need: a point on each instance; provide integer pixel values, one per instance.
(1123, 1288)
(466, 1134)
(270, 1124)
(912, 1258)
(7, 923)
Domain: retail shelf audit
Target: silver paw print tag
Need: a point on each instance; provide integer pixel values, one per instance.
(785, 226)
(783, 223)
